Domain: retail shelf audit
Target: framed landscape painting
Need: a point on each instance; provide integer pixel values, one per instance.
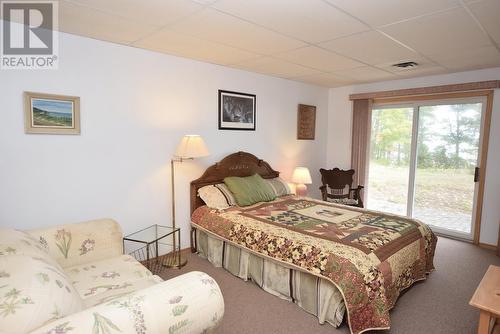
(236, 111)
(51, 114)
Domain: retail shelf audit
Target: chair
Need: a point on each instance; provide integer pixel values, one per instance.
(337, 187)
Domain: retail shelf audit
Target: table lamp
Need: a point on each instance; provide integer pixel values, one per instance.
(190, 147)
(301, 177)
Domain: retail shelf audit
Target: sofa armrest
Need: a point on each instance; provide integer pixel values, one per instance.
(80, 243)
(190, 303)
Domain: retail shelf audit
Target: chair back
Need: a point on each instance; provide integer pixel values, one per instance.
(338, 181)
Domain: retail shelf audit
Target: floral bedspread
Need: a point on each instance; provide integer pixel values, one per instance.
(371, 257)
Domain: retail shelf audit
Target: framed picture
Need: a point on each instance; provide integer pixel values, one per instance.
(306, 122)
(236, 111)
(52, 114)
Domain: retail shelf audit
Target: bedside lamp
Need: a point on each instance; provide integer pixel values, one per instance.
(301, 177)
(190, 147)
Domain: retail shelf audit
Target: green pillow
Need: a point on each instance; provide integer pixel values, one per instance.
(249, 190)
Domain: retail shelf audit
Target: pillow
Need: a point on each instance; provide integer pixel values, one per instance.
(217, 196)
(280, 187)
(34, 293)
(250, 190)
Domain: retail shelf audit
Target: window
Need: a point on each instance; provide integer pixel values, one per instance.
(423, 162)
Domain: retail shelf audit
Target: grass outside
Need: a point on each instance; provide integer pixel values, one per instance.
(450, 190)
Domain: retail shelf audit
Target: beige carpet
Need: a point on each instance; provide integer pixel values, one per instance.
(437, 305)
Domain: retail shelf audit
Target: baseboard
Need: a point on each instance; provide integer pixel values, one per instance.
(488, 246)
(186, 250)
(481, 244)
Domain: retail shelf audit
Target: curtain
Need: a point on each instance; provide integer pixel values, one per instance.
(361, 126)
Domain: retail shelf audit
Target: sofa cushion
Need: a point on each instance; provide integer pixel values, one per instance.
(32, 293)
(14, 242)
(116, 273)
(74, 244)
(109, 295)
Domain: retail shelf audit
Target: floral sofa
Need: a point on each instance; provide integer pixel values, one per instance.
(75, 279)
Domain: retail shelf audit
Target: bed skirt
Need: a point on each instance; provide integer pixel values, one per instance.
(313, 294)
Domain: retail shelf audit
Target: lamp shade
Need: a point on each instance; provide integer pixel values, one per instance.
(191, 146)
(301, 175)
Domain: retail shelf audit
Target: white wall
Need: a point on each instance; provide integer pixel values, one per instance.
(135, 107)
(339, 134)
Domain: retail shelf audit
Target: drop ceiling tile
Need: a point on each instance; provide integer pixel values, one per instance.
(370, 47)
(308, 20)
(318, 58)
(171, 42)
(488, 13)
(381, 12)
(446, 32)
(365, 74)
(423, 71)
(275, 67)
(156, 12)
(85, 21)
(219, 27)
(424, 67)
(205, 2)
(325, 79)
(470, 59)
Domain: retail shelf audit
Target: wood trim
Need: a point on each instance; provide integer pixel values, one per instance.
(487, 246)
(482, 165)
(498, 242)
(444, 96)
(480, 85)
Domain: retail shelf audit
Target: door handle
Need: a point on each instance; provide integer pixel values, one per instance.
(476, 174)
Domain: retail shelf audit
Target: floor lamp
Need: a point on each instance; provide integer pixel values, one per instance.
(190, 147)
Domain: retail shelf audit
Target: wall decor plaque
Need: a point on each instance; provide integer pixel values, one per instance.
(306, 122)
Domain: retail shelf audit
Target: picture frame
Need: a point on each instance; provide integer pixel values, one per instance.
(51, 114)
(237, 111)
(306, 122)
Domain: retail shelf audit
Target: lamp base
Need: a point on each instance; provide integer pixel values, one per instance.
(301, 190)
(174, 260)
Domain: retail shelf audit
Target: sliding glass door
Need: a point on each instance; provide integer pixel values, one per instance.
(423, 160)
(389, 167)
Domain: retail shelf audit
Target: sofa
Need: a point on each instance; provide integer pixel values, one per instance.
(74, 278)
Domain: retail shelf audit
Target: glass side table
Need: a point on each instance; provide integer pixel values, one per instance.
(150, 247)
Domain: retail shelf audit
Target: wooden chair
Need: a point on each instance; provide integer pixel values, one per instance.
(337, 187)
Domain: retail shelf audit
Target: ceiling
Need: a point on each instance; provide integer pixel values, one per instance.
(325, 42)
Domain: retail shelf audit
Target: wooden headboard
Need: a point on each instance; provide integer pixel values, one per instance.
(236, 164)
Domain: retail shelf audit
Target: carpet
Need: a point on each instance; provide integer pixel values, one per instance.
(439, 304)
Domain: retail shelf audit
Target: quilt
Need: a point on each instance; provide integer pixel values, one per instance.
(370, 256)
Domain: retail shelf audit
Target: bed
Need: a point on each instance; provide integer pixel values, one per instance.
(327, 258)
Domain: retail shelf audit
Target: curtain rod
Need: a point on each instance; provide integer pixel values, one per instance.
(469, 86)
